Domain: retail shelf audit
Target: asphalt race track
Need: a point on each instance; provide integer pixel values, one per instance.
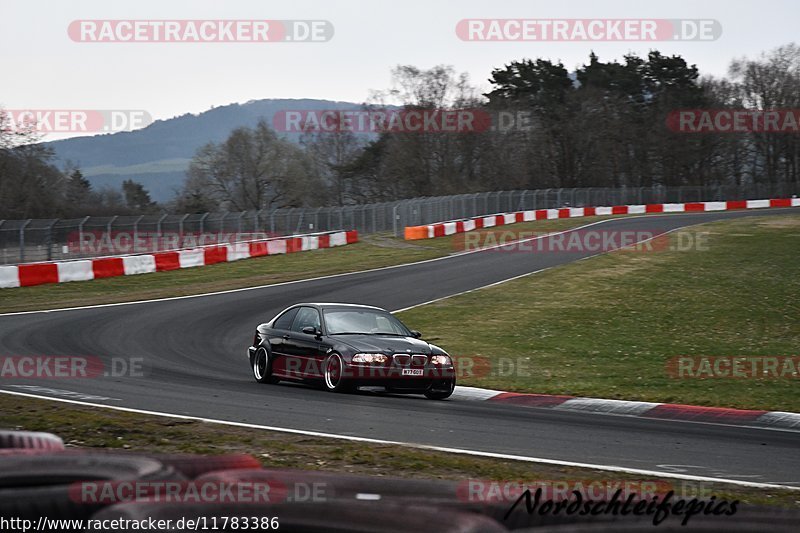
(194, 350)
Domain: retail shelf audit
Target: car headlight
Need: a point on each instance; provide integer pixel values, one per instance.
(441, 360)
(372, 358)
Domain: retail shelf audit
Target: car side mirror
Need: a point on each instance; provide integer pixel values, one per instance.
(311, 330)
(416, 334)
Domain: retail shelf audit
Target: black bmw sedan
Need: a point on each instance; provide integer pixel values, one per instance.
(344, 346)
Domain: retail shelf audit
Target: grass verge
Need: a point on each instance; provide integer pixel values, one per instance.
(373, 252)
(90, 427)
(606, 327)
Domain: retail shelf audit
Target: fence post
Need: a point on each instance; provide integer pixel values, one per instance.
(203, 222)
(180, 226)
(50, 239)
(108, 227)
(159, 232)
(299, 227)
(136, 232)
(22, 241)
(80, 234)
(364, 218)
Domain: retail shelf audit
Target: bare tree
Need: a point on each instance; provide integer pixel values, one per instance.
(252, 169)
(772, 82)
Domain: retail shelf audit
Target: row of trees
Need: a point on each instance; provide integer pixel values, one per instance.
(31, 186)
(602, 125)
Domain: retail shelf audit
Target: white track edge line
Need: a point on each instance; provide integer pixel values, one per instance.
(543, 269)
(402, 265)
(305, 280)
(460, 451)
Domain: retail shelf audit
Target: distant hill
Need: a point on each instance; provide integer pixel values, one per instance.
(157, 156)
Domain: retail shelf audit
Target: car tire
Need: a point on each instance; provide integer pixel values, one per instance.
(30, 440)
(50, 484)
(262, 367)
(332, 374)
(441, 393)
(189, 465)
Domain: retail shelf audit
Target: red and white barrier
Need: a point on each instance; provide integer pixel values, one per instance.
(28, 274)
(723, 415)
(442, 229)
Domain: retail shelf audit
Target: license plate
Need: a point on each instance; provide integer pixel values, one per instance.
(412, 372)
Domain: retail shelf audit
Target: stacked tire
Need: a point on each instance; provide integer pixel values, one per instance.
(40, 478)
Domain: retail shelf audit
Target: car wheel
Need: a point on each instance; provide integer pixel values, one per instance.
(262, 367)
(441, 390)
(30, 440)
(332, 374)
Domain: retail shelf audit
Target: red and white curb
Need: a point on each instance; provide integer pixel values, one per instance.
(666, 411)
(28, 274)
(442, 229)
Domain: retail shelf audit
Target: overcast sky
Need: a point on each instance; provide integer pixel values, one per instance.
(45, 69)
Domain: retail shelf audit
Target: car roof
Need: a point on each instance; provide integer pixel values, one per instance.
(324, 305)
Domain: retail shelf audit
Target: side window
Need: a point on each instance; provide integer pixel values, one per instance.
(285, 320)
(306, 316)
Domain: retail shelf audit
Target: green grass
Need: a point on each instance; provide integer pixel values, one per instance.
(607, 326)
(601, 327)
(89, 427)
(373, 252)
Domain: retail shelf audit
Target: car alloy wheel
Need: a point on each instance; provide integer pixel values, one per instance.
(262, 367)
(334, 368)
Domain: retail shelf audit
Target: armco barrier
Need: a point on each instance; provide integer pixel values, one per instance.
(441, 229)
(25, 275)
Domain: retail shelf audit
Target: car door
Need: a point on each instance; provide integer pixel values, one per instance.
(279, 337)
(304, 349)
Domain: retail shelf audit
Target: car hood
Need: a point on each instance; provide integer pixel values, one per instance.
(384, 344)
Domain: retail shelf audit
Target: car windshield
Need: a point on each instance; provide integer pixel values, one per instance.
(363, 322)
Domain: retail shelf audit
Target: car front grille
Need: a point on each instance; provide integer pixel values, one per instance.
(403, 359)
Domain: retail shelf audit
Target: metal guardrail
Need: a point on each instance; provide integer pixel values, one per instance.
(32, 240)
